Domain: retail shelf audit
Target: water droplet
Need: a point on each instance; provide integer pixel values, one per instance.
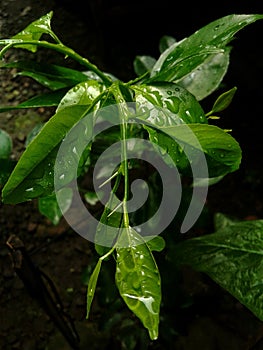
(222, 155)
(31, 189)
(169, 92)
(62, 177)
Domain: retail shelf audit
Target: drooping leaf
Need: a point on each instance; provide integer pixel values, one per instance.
(232, 257)
(52, 76)
(138, 280)
(50, 99)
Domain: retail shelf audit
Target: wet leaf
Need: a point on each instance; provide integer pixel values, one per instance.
(232, 257)
(138, 280)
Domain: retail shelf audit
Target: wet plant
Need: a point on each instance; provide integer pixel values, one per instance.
(158, 113)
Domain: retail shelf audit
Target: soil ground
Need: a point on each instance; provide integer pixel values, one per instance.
(215, 320)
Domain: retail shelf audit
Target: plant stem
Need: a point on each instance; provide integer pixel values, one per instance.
(68, 52)
(124, 114)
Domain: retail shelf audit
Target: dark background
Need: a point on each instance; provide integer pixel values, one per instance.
(110, 34)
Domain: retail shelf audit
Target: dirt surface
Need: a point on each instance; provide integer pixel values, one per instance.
(213, 320)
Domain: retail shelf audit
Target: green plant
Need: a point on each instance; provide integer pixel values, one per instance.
(161, 106)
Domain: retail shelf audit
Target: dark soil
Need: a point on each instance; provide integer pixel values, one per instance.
(214, 320)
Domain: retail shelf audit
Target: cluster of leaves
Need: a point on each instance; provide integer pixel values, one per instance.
(185, 73)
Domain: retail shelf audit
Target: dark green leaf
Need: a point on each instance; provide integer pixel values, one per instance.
(232, 257)
(92, 285)
(6, 145)
(49, 207)
(6, 167)
(138, 279)
(50, 99)
(51, 76)
(223, 101)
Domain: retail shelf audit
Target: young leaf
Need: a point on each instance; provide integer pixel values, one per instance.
(223, 101)
(35, 30)
(232, 257)
(92, 285)
(138, 280)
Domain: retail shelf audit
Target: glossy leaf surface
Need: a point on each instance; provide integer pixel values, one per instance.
(232, 257)
(35, 30)
(138, 280)
(186, 56)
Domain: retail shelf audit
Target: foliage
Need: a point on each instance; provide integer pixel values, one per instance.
(161, 105)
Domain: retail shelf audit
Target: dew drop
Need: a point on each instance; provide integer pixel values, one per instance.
(169, 92)
(31, 189)
(62, 177)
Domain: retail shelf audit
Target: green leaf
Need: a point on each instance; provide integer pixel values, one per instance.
(223, 101)
(6, 145)
(50, 99)
(177, 105)
(6, 167)
(155, 243)
(165, 42)
(33, 175)
(35, 30)
(143, 64)
(206, 78)
(186, 144)
(52, 76)
(138, 280)
(232, 257)
(81, 94)
(49, 207)
(191, 53)
(92, 285)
